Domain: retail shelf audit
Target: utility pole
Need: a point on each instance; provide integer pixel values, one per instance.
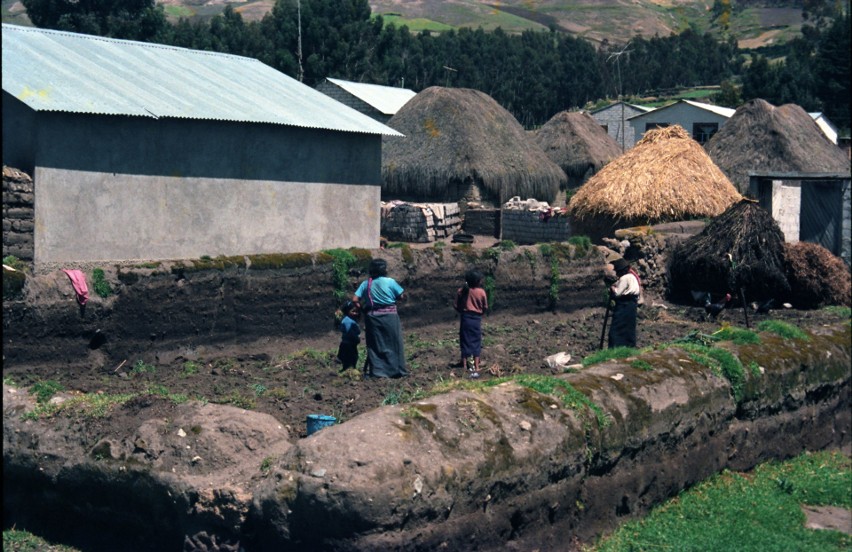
(617, 55)
(299, 14)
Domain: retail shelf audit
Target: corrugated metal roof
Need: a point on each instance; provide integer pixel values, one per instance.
(726, 112)
(635, 106)
(387, 99)
(60, 71)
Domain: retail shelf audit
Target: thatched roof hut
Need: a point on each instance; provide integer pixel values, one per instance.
(741, 248)
(578, 144)
(666, 177)
(460, 143)
(762, 137)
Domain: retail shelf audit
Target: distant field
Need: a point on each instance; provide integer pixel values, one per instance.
(596, 20)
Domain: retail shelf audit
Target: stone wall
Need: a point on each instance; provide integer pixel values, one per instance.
(18, 214)
(419, 222)
(528, 227)
(482, 222)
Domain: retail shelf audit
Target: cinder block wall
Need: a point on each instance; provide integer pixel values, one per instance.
(482, 222)
(528, 227)
(18, 214)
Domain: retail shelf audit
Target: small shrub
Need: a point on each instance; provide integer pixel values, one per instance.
(99, 283)
(508, 245)
(16, 263)
(490, 287)
(259, 389)
(141, 367)
(190, 368)
(640, 364)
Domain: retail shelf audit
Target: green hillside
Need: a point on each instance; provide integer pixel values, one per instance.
(596, 20)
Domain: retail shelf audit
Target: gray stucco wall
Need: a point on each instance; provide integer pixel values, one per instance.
(612, 118)
(120, 188)
(681, 114)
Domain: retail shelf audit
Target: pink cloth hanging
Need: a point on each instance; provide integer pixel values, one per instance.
(78, 280)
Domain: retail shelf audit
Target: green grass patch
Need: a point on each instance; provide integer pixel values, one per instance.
(415, 25)
(507, 245)
(45, 390)
(605, 355)
(570, 397)
(640, 364)
(90, 405)
(22, 541)
(490, 287)
(190, 368)
(783, 329)
(720, 362)
(842, 312)
(141, 367)
(16, 263)
(739, 336)
(342, 261)
(582, 245)
(273, 261)
(751, 512)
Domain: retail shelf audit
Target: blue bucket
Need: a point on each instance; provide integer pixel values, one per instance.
(318, 421)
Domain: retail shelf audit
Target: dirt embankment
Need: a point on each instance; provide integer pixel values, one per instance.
(503, 466)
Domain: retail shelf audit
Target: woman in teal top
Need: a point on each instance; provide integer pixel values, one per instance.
(377, 298)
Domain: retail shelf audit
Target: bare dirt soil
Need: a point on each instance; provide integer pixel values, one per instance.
(290, 378)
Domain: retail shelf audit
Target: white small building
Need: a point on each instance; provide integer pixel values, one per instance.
(701, 120)
(374, 100)
(825, 125)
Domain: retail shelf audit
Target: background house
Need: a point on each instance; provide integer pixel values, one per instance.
(701, 120)
(613, 118)
(379, 102)
(145, 151)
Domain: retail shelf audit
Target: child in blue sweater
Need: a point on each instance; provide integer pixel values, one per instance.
(350, 336)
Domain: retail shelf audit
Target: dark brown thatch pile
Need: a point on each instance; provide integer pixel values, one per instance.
(458, 137)
(666, 177)
(762, 137)
(755, 243)
(578, 144)
(817, 277)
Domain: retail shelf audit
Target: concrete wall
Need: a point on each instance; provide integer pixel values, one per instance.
(681, 114)
(612, 118)
(121, 188)
(786, 204)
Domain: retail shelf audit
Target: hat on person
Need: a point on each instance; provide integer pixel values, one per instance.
(620, 264)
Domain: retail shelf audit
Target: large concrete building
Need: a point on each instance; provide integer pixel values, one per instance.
(143, 151)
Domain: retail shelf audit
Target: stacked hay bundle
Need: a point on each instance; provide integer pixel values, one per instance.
(666, 177)
(741, 249)
(817, 278)
(762, 137)
(419, 222)
(578, 144)
(460, 144)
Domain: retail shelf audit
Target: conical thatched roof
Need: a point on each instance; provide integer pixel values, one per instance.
(666, 177)
(755, 243)
(577, 143)
(457, 137)
(762, 137)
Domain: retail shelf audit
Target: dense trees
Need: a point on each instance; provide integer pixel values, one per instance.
(533, 74)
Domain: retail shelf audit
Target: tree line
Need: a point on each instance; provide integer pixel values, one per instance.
(534, 74)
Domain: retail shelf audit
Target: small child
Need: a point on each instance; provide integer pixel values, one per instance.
(471, 303)
(350, 336)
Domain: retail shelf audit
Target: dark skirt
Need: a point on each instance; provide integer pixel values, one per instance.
(470, 334)
(385, 352)
(622, 332)
(347, 353)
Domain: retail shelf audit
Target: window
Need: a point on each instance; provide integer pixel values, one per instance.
(702, 132)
